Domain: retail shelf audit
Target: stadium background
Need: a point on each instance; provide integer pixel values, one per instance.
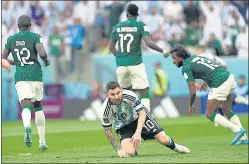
(81, 63)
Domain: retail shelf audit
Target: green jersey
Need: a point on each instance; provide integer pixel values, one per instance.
(196, 67)
(55, 42)
(22, 46)
(129, 35)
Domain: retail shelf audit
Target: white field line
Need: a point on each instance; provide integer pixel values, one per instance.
(50, 131)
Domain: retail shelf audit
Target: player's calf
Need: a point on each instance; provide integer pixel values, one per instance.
(40, 123)
(169, 142)
(26, 117)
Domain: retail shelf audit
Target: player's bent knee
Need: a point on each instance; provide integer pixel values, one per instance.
(131, 153)
(26, 102)
(128, 147)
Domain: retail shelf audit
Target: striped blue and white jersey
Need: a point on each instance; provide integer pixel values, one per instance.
(122, 114)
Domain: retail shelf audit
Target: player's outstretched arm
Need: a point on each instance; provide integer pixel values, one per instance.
(150, 43)
(111, 138)
(42, 53)
(112, 47)
(192, 92)
(136, 138)
(5, 55)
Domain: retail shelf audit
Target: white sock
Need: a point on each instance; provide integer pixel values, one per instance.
(26, 117)
(146, 103)
(222, 121)
(40, 123)
(235, 120)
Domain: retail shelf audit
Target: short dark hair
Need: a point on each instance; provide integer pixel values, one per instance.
(132, 9)
(112, 85)
(24, 21)
(241, 76)
(180, 51)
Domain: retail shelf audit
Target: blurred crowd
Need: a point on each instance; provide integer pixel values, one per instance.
(73, 30)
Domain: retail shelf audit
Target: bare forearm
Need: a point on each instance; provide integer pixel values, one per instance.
(111, 138)
(41, 51)
(192, 99)
(141, 120)
(155, 47)
(113, 50)
(5, 54)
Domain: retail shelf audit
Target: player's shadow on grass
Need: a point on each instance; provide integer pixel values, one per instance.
(153, 155)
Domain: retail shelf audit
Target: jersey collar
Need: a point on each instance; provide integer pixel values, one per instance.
(132, 20)
(24, 29)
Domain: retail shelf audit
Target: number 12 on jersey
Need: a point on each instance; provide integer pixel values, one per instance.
(23, 58)
(206, 62)
(124, 37)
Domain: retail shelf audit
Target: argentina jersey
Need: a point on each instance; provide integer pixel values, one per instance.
(122, 114)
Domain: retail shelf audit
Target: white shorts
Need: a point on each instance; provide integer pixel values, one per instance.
(134, 76)
(223, 90)
(29, 90)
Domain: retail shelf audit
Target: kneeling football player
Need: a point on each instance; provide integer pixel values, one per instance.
(132, 122)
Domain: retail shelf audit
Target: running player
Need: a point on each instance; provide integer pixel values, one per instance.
(222, 84)
(131, 72)
(25, 46)
(131, 122)
(200, 50)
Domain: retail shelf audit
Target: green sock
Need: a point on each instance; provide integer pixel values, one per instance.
(146, 96)
(27, 107)
(222, 121)
(212, 117)
(230, 115)
(38, 109)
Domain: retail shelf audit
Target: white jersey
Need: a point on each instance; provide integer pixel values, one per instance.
(122, 114)
(214, 58)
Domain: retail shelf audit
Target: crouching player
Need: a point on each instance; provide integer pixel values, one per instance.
(222, 84)
(132, 122)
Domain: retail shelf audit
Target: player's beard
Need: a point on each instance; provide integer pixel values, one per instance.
(180, 64)
(116, 101)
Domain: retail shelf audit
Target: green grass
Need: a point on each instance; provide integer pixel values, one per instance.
(73, 141)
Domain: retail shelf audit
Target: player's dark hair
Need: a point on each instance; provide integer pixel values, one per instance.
(112, 85)
(241, 76)
(132, 9)
(24, 22)
(180, 51)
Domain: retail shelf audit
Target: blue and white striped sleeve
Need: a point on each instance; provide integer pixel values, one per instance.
(106, 114)
(135, 102)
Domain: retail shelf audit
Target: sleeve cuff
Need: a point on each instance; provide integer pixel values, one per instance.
(139, 109)
(106, 126)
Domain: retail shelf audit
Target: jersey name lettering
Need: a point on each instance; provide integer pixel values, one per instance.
(20, 43)
(127, 29)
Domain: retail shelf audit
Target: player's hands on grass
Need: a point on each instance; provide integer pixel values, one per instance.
(122, 153)
(191, 109)
(136, 140)
(46, 63)
(165, 53)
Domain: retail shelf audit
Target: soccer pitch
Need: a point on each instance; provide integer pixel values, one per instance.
(73, 141)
